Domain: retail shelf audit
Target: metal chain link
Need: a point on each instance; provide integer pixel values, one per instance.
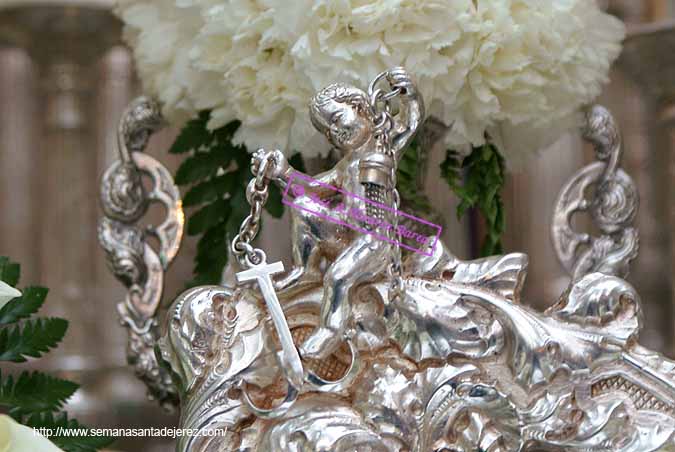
(383, 125)
(257, 193)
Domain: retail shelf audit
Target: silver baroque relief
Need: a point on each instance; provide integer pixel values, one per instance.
(125, 200)
(609, 195)
(450, 361)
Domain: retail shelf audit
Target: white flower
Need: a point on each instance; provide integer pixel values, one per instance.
(516, 70)
(15, 437)
(7, 293)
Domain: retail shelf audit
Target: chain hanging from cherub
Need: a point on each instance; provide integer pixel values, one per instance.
(362, 126)
(373, 175)
(254, 261)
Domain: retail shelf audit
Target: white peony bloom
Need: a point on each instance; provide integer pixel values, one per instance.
(7, 293)
(514, 70)
(15, 437)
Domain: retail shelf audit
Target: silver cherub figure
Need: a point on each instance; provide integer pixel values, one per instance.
(345, 115)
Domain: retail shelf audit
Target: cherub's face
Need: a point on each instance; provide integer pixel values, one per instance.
(350, 128)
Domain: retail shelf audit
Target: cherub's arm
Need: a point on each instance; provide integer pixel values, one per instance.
(281, 172)
(314, 183)
(411, 114)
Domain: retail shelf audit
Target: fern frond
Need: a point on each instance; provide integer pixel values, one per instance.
(34, 392)
(31, 339)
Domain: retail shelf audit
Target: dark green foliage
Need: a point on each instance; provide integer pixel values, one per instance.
(194, 135)
(208, 216)
(36, 399)
(202, 165)
(216, 173)
(31, 339)
(9, 271)
(24, 306)
(34, 392)
(478, 181)
(408, 175)
(209, 191)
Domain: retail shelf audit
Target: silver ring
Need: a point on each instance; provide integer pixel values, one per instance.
(253, 193)
(260, 177)
(255, 257)
(391, 94)
(240, 247)
(376, 80)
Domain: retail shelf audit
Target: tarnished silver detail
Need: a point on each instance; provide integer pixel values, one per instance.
(132, 260)
(451, 362)
(289, 358)
(612, 204)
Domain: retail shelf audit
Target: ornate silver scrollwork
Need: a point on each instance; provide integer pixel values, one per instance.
(605, 191)
(125, 200)
(453, 362)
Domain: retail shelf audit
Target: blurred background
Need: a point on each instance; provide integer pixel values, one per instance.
(65, 78)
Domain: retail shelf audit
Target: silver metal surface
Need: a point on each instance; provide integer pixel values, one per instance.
(125, 200)
(453, 361)
(289, 357)
(613, 206)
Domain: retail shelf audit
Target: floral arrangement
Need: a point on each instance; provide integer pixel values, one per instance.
(508, 75)
(33, 400)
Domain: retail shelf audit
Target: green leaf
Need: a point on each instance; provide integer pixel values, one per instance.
(9, 271)
(209, 191)
(210, 272)
(478, 182)
(193, 136)
(274, 206)
(78, 439)
(32, 339)
(212, 255)
(24, 306)
(34, 393)
(214, 238)
(412, 198)
(239, 210)
(198, 167)
(226, 133)
(218, 172)
(31, 397)
(207, 217)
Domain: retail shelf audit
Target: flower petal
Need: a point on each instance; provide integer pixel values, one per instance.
(482, 66)
(15, 437)
(7, 293)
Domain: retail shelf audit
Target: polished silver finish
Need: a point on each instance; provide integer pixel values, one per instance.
(613, 207)
(451, 361)
(289, 357)
(125, 201)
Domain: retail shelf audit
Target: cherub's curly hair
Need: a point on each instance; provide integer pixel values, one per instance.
(337, 92)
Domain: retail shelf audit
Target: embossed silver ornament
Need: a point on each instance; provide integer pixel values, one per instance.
(428, 353)
(133, 261)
